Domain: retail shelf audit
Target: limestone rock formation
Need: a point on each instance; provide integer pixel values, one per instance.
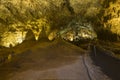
(40, 16)
(53, 35)
(11, 39)
(112, 17)
(78, 30)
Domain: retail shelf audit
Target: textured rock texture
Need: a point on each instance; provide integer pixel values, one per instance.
(78, 30)
(21, 11)
(111, 17)
(43, 16)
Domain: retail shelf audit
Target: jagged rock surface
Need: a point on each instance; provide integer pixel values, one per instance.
(112, 17)
(42, 16)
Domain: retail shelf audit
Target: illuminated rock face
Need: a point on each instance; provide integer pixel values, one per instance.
(41, 16)
(78, 30)
(11, 39)
(17, 32)
(53, 35)
(38, 26)
(111, 17)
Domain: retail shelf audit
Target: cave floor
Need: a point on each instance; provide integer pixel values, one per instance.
(57, 60)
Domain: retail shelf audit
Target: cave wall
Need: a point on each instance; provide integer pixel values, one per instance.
(112, 17)
(108, 21)
(44, 16)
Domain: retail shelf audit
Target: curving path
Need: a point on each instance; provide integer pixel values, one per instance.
(57, 61)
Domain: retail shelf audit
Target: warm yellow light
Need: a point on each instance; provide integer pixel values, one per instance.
(12, 38)
(38, 26)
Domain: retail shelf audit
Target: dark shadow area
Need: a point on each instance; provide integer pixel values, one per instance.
(109, 65)
(105, 34)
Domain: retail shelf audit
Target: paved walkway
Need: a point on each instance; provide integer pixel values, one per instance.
(60, 61)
